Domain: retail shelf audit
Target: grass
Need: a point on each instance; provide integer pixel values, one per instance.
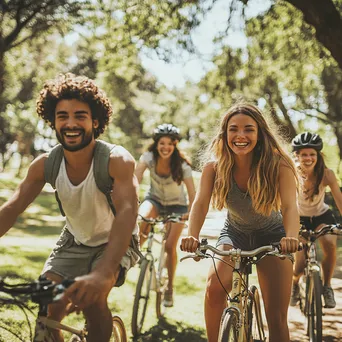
(26, 246)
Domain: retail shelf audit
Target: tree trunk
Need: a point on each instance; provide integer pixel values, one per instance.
(326, 19)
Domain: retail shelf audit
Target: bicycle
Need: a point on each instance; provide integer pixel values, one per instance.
(241, 320)
(310, 285)
(153, 272)
(44, 292)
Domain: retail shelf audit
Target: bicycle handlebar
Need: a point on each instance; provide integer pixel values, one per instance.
(163, 219)
(335, 229)
(204, 246)
(41, 291)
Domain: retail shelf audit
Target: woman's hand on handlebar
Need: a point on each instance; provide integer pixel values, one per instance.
(185, 217)
(289, 245)
(189, 244)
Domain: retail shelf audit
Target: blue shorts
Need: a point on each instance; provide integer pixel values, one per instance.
(167, 209)
(311, 223)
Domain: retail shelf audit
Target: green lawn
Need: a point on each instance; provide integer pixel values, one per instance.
(25, 247)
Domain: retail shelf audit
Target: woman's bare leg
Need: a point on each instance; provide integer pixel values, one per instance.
(275, 279)
(171, 245)
(147, 210)
(215, 296)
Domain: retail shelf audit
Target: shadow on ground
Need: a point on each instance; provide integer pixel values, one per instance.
(175, 331)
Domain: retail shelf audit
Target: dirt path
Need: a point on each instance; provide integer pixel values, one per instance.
(332, 319)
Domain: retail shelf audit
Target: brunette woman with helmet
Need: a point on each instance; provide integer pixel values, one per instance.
(313, 211)
(169, 170)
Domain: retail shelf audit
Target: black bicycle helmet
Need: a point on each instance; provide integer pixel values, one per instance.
(166, 130)
(307, 140)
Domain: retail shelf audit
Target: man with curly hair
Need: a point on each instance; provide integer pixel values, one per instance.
(94, 246)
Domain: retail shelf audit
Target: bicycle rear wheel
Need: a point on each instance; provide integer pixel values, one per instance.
(162, 280)
(229, 326)
(314, 308)
(142, 295)
(255, 327)
(119, 331)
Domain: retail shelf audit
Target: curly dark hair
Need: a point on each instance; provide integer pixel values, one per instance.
(69, 86)
(177, 158)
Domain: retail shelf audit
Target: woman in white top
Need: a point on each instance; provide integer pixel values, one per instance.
(169, 172)
(314, 212)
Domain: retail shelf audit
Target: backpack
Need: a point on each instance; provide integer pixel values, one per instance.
(102, 178)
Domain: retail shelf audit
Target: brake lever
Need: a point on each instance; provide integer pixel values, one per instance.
(191, 256)
(197, 254)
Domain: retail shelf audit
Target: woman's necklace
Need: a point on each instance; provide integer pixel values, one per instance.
(308, 187)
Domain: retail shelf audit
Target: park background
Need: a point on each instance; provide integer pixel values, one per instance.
(179, 61)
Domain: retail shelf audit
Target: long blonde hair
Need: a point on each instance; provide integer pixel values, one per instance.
(262, 185)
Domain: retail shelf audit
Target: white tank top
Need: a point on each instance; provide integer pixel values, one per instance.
(312, 206)
(88, 215)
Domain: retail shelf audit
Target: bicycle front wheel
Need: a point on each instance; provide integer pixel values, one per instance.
(142, 295)
(254, 323)
(314, 309)
(119, 331)
(229, 326)
(162, 280)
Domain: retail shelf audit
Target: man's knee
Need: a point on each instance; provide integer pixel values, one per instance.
(97, 310)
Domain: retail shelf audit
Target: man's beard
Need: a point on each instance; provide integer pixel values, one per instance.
(85, 141)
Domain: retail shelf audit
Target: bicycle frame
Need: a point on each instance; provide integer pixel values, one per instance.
(239, 295)
(311, 283)
(153, 274)
(237, 318)
(148, 255)
(50, 323)
(45, 292)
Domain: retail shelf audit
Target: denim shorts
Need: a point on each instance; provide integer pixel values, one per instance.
(311, 223)
(167, 209)
(251, 240)
(70, 260)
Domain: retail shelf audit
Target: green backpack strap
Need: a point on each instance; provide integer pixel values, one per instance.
(52, 164)
(51, 169)
(101, 170)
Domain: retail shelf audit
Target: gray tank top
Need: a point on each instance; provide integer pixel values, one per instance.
(242, 216)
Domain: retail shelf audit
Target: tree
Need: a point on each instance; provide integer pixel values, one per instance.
(325, 17)
(22, 21)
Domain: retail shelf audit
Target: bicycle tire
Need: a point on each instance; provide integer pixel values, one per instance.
(142, 295)
(314, 309)
(119, 330)
(162, 280)
(228, 327)
(255, 327)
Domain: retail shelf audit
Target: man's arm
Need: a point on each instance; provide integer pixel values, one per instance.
(125, 199)
(24, 195)
(95, 286)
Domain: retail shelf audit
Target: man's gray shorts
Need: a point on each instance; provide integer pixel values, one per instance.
(70, 260)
